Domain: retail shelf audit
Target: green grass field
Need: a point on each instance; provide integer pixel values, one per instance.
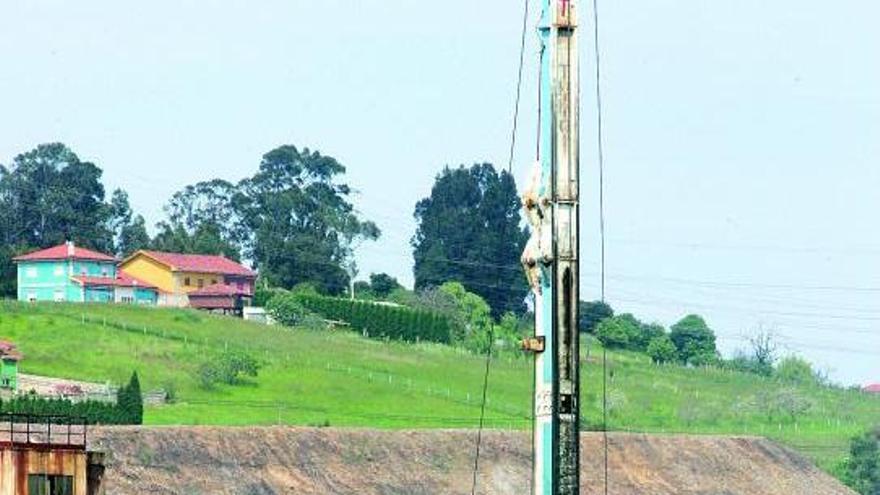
(338, 378)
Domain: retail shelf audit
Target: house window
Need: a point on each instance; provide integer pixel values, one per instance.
(201, 283)
(59, 270)
(31, 272)
(213, 281)
(104, 272)
(186, 281)
(58, 296)
(127, 299)
(32, 297)
(50, 484)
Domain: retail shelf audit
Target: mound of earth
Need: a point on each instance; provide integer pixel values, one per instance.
(256, 461)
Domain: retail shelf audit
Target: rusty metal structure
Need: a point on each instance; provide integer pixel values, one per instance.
(551, 258)
(47, 455)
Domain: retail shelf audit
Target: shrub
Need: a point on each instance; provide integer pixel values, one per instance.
(861, 470)
(229, 368)
(795, 370)
(262, 295)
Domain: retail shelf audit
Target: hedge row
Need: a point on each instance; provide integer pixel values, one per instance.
(128, 409)
(376, 320)
(93, 412)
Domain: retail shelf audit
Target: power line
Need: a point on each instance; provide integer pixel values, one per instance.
(602, 227)
(482, 415)
(513, 133)
(519, 80)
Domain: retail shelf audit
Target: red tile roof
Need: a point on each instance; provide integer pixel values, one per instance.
(219, 290)
(63, 252)
(874, 388)
(213, 302)
(121, 280)
(200, 263)
(9, 351)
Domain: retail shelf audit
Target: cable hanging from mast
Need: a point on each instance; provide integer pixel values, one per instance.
(522, 49)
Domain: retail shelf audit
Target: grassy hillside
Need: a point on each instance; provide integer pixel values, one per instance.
(341, 379)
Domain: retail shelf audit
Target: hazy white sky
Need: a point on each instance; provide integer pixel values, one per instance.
(742, 137)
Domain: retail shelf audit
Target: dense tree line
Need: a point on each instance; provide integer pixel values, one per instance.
(690, 341)
(292, 219)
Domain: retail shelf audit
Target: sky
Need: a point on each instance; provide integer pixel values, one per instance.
(741, 138)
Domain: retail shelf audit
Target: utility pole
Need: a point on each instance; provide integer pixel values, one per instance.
(551, 257)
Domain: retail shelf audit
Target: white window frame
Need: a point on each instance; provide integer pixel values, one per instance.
(30, 272)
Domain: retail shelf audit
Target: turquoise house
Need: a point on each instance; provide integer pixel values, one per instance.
(68, 273)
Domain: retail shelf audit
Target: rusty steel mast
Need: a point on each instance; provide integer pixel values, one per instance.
(551, 257)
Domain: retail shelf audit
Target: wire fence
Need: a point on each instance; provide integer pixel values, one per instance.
(519, 417)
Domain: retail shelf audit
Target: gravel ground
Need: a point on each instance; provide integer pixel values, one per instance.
(256, 461)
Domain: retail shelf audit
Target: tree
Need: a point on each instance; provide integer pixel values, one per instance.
(130, 401)
(617, 332)
(129, 230)
(203, 218)
(647, 332)
(48, 196)
(469, 230)
(383, 284)
(795, 370)
(591, 313)
(694, 341)
(862, 468)
(792, 403)
(133, 237)
(662, 350)
(300, 224)
(472, 317)
(206, 239)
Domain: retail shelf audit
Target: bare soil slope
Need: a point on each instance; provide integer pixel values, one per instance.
(252, 461)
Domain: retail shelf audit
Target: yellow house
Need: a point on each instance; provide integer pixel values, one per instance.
(179, 275)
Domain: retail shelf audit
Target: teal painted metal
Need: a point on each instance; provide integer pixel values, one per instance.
(545, 388)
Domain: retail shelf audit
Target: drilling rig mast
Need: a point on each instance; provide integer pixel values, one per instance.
(551, 257)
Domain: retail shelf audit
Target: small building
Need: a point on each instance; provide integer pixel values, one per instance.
(123, 289)
(178, 276)
(258, 315)
(873, 388)
(68, 273)
(47, 456)
(9, 359)
(220, 298)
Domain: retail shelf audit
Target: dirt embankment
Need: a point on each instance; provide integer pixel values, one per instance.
(257, 461)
